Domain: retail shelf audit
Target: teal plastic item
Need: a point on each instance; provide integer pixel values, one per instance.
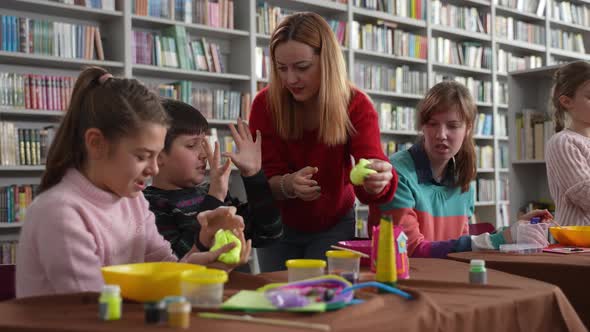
(223, 237)
(360, 171)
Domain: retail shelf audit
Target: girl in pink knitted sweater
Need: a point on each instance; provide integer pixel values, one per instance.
(568, 152)
(91, 211)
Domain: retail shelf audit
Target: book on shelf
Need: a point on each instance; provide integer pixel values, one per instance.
(485, 191)
(213, 13)
(8, 252)
(268, 17)
(96, 4)
(470, 54)
(38, 92)
(401, 79)
(43, 37)
(218, 104)
(568, 40)
(504, 156)
(460, 17)
(535, 7)
(504, 188)
(533, 130)
(507, 61)
(14, 201)
(224, 138)
(415, 9)
(392, 117)
(173, 48)
(262, 59)
(483, 125)
(480, 90)
(501, 93)
(501, 125)
(484, 156)
(572, 13)
(392, 146)
(384, 37)
(510, 28)
(24, 146)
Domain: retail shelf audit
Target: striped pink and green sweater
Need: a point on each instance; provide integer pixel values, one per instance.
(433, 215)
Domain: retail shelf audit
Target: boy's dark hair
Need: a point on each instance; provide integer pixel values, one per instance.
(184, 120)
(116, 106)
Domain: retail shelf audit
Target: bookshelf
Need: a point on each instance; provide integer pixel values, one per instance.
(238, 52)
(529, 90)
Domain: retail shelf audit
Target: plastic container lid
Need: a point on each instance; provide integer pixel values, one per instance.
(179, 307)
(341, 254)
(111, 289)
(207, 276)
(521, 248)
(172, 299)
(305, 263)
(477, 263)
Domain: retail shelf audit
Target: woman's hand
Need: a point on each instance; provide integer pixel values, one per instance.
(301, 184)
(376, 182)
(248, 159)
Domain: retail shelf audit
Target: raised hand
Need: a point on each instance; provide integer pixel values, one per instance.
(376, 182)
(301, 184)
(248, 159)
(218, 173)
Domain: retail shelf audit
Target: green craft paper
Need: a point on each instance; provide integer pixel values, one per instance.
(223, 237)
(256, 301)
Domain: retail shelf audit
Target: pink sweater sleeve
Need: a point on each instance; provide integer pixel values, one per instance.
(70, 262)
(568, 160)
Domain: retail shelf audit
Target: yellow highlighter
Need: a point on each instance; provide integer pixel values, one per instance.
(386, 268)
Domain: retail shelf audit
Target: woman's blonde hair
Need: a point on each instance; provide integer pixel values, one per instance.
(335, 90)
(566, 81)
(442, 97)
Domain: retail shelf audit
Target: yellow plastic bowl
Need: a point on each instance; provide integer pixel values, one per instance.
(147, 281)
(572, 235)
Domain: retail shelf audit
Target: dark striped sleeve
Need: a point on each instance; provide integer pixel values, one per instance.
(261, 214)
(176, 227)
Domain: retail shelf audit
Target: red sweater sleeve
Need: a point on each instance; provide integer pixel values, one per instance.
(366, 143)
(273, 161)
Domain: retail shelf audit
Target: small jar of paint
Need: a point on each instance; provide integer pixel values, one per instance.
(179, 315)
(477, 272)
(152, 312)
(109, 302)
(163, 306)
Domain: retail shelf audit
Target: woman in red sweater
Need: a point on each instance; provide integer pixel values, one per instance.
(312, 122)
